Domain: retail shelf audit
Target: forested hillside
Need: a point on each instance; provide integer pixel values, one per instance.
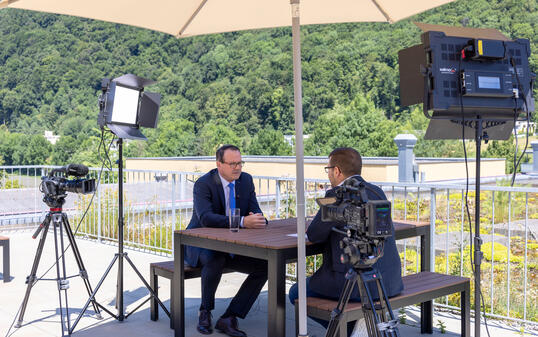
(224, 88)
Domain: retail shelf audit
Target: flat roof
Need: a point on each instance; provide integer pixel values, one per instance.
(319, 159)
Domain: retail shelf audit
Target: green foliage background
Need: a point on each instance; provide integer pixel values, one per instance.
(233, 87)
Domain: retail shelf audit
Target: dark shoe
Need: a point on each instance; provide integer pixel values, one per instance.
(204, 322)
(229, 326)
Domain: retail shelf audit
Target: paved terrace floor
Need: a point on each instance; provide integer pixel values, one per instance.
(42, 315)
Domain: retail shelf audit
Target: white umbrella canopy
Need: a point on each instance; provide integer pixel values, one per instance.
(183, 18)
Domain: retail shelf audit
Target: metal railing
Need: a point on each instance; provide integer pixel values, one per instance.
(158, 202)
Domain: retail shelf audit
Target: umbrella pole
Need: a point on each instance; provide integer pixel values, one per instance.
(299, 157)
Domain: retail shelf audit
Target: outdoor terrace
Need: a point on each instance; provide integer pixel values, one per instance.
(42, 316)
(156, 207)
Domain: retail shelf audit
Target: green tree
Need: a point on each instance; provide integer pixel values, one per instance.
(172, 139)
(504, 149)
(212, 136)
(269, 142)
(63, 150)
(359, 125)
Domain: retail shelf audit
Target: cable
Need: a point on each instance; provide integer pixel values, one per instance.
(519, 92)
(103, 162)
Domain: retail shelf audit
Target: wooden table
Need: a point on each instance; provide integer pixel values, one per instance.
(277, 246)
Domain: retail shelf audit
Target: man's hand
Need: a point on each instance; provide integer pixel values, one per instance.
(254, 221)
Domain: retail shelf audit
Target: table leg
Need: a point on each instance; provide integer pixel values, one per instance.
(466, 311)
(178, 285)
(6, 272)
(426, 308)
(154, 283)
(276, 297)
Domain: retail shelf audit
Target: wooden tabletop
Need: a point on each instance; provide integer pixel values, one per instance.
(278, 234)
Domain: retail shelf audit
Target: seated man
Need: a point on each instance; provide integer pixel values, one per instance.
(329, 279)
(214, 194)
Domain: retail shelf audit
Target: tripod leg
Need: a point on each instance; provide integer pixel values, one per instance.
(58, 276)
(381, 316)
(78, 258)
(332, 328)
(368, 310)
(147, 286)
(31, 279)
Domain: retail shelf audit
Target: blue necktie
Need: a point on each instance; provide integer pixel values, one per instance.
(231, 196)
(231, 199)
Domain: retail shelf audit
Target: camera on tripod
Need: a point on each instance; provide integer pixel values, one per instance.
(367, 222)
(56, 185)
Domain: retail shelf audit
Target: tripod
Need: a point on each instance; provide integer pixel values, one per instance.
(120, 257)
(60, 225)
(379, 318)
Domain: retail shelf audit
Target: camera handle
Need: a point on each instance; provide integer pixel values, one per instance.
(379, 318)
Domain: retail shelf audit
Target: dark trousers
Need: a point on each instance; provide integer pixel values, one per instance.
(213, 263)
(294, 294)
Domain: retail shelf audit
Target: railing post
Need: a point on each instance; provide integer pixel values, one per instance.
(277, 199)
(433, 207)
(182, 186)
(173, 207)
(99, 215)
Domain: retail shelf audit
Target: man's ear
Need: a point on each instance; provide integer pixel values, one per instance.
(337, 171)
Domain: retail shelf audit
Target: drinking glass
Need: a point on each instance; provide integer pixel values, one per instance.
(235, 219)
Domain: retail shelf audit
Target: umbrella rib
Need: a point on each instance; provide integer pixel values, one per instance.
(385, 14)
(202, 4)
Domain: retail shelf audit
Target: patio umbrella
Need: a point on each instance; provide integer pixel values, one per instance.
(183, 18)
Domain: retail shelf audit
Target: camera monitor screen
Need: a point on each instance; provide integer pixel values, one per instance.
(125, 107)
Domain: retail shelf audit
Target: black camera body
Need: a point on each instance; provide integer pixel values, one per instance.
(367, 222)
(369, 218)
(55, 187)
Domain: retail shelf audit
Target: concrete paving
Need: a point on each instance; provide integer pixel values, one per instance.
(42, 317)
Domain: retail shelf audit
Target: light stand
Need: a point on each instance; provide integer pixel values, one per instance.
(123, 117)
(479, 136)
(458, 72)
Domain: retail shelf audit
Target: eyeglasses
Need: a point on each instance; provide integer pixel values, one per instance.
(235, 165)
(327, 168)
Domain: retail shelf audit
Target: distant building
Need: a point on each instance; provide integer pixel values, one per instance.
(49, 135)
(521, 127)
(290, 139)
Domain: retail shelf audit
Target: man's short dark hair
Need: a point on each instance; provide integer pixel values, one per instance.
(220, 151)
(347, 159)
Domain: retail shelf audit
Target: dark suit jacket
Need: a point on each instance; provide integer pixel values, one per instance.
(209, 205)
(329, 279)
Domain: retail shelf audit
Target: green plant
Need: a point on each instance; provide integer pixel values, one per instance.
(441, 325)
(402, 316)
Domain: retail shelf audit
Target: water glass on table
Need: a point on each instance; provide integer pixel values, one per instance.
(235, 219)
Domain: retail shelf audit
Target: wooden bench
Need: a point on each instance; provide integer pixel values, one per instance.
(4, 242)
(166, 269)
(418, 288)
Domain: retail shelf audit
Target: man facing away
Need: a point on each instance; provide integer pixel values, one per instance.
(328, 281)
(214, 194)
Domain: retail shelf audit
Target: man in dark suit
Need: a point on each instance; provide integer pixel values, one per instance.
(329, 279)
(214, 194)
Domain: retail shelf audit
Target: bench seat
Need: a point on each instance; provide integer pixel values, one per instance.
(166, 269)
(418, 288)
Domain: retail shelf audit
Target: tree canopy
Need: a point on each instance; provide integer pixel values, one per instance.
(222, 88)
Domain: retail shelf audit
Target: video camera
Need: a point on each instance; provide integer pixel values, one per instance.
(367, 222)
(55, 187)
